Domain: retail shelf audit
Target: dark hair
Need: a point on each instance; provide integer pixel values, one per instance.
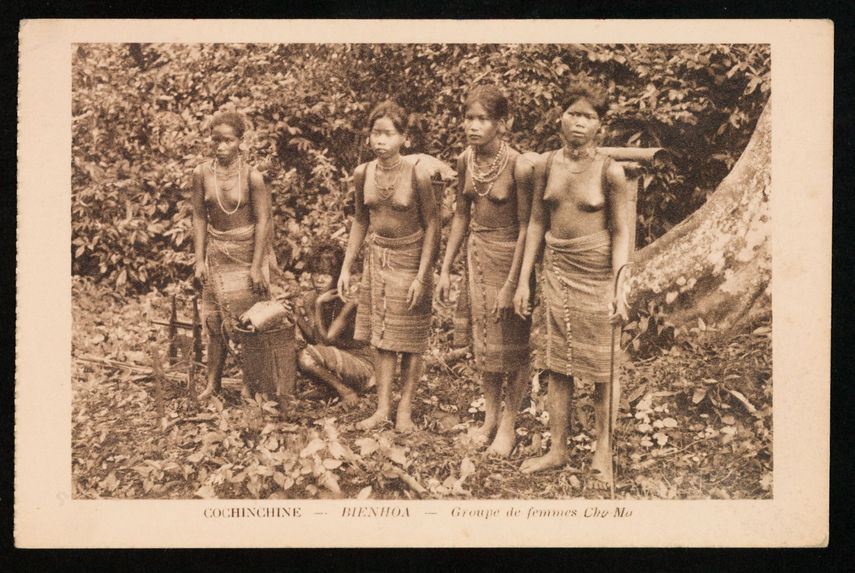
(231, 118)
(322, 249)
(594, 94)
(494, 101)
(391, 110)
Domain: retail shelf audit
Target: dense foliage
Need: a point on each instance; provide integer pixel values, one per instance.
(140, 114)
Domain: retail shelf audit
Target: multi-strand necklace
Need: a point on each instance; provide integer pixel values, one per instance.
(488, 177)
(217, 187)
(386, 191)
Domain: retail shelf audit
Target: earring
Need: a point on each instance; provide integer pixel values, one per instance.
(367, 142)
(407, 143)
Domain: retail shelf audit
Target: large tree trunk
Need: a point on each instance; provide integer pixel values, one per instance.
(717, 263)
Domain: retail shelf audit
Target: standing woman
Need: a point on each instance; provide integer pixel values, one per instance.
(493, 202)
(395, 201)
(580, 206)
(231, 234)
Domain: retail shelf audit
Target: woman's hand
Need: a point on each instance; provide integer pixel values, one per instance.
(443, 287)
(504, 307)
(343, 285)
(414, 295)
(618, 312)
(200, 276)
(618, 308)
(521, 298)
(256, 278)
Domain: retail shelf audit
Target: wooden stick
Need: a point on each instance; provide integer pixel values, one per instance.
(106, 362)
(178, 324)
(158, 380)
(411, 482)
(173, 351)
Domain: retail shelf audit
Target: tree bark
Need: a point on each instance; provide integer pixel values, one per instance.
(716, 264)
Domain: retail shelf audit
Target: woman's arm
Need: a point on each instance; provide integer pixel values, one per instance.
(459, 224)
(537, 225)
(523, 183)
(200, 224)
(430, 220)
(260, 198)
(340, 323)
(358, 230)
(617, 197)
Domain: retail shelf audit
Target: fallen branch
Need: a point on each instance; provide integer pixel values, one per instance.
(439, 360)
(147, 370)
(411, 482)
(741, 397)
(671, 453)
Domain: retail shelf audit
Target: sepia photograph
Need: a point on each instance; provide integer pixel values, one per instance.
(469, 283)
(263, 172)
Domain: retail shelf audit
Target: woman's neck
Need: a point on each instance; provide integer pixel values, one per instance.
(489, 149)
(226, 164)
(587, 149)
(390, 162)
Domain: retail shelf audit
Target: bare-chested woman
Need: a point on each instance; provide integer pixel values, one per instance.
(493, 202)
(580, 205)
(395, 201)
(231, 234)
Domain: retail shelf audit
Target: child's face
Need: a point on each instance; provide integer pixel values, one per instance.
(385, 139)
(479, 127)
(225, 143)
(322, 275)
(580, 122)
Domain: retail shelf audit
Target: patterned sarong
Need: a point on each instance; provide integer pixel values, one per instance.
(228, 291)
(577, 290)
(498, 346)
(382, 317)
(354, 366)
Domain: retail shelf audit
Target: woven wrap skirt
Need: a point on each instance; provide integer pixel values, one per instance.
(228, 291)
(577, 289)
(382, 317)
(498, 346)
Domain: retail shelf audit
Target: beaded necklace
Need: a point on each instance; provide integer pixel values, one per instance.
(386, 191)
(217, 188)
(488, 177)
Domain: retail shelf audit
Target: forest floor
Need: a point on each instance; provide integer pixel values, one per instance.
(695, 422)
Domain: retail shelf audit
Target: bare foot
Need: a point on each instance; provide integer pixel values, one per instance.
(372, 422)
(404, 423)
(601, 470)
(550, 460)
(349, 400)
(503, 444)
(209, 390)
(245, 393)
(482, 435)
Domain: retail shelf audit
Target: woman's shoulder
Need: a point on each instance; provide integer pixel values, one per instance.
(201, 168)
(613, 170)
(362, 168)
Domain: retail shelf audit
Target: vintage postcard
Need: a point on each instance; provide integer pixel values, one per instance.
(331, 283)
